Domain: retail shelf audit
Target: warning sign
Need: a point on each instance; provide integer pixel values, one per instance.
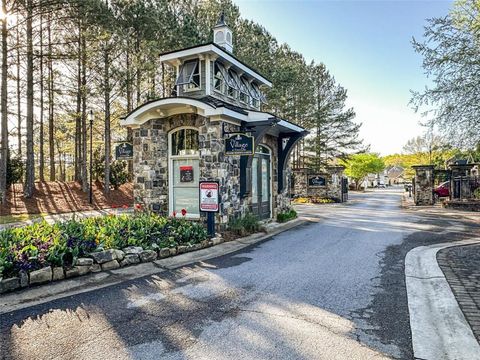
(209, 196)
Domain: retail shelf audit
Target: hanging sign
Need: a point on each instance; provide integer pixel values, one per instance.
(316, 180)
(186, 173)
(209, 196)
(239, 144)
(124, 151)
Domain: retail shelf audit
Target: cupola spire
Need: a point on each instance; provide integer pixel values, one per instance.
(222, 34)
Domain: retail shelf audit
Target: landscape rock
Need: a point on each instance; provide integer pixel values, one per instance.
(173, 251)
(133, 250)
(9, 284)
(101, 257)
(165, 252)
(96, 268)
(58, 273)
(84, 262)
(119, 255)
(130, 259)
(148, 255)
(82, 270)
(69, 273)
(41, 276)
(110, 265)
(23, 275)
(181, 249)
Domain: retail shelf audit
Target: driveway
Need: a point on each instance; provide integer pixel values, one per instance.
(332, 289)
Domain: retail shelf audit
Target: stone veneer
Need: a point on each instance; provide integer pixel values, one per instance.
(150, 142)
(333, 183)
(423, 184)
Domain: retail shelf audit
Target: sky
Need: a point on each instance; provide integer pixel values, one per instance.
(366, 45)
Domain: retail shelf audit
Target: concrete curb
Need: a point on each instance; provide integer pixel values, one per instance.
(439, 328)
(41, 294)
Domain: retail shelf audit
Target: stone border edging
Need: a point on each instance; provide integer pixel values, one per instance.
(439, 328)
(54, 290)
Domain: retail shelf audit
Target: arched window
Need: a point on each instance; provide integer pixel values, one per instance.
(184, 142)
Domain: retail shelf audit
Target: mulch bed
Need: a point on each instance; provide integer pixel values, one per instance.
(60, 197)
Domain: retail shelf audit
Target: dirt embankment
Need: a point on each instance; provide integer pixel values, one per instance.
(59, 197)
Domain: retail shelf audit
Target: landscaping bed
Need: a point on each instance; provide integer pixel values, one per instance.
(470, 205)
(42, 252)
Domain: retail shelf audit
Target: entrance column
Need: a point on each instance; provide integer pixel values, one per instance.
(423, 184)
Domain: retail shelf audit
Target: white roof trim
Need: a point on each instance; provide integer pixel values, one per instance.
(210, 48)
(172, 106)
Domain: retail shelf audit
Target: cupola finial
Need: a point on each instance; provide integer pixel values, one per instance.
(222, 34)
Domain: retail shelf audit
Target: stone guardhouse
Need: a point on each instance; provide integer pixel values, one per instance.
(181, 140)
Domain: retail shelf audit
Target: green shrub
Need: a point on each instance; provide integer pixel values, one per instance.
(286, 215)
(14, 170)
(476, 193)
(245, 225)
(38, 245)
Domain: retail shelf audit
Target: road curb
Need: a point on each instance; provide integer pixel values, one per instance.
(439, 328)
(41, 294)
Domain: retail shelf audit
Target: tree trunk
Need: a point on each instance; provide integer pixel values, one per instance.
(78, 115)
(4, 115)
(19, 88)
(51, 126)
(41, 140)
(30, 165)
(84, 110)
(107, 118)
(129, 107)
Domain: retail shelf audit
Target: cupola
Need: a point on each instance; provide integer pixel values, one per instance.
(222, 34)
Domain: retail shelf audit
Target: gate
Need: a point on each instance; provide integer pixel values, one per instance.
(344, 189)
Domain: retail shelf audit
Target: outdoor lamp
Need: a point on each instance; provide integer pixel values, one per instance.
(90, 118)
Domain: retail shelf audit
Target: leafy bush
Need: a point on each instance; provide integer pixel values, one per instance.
(476, 193)
(118, 169)
(286, 216)
(245, 225)
(14, 170)
(39, 245)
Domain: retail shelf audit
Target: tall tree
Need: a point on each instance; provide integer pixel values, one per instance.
(4, 109)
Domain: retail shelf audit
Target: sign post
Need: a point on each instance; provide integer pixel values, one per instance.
(209, 203)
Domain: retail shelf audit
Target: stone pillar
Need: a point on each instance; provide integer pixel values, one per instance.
(423, 190)
(300, 182)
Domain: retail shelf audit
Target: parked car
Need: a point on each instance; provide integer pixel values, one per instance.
(442, 190)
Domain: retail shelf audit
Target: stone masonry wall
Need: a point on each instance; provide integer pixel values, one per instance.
(333, 183)
(151, 166)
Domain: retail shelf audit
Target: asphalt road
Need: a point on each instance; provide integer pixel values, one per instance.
(332, 289)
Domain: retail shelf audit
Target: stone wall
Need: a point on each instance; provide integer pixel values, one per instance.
(333, 183)
(150, 168)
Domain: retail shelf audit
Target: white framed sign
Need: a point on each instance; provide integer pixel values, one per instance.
(209, 191)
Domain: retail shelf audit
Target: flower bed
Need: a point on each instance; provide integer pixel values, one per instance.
(313, 200)
(69, 245)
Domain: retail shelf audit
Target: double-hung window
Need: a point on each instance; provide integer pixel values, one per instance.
(189, 75)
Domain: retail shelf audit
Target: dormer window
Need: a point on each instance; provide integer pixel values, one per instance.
(219, 78)
(189, 75)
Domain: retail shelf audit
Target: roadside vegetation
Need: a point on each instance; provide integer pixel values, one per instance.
(286, 216)
(40, 245)
(245, 225)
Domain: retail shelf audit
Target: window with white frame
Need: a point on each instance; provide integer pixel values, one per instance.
(233, 84)
(189, 75)
(244, 92)
(219, 77)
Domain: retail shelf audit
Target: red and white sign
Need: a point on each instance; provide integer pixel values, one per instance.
(209, 196)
